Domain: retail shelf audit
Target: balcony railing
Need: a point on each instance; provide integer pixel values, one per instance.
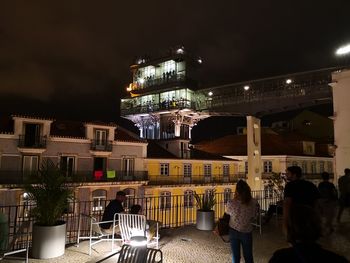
(171, 78)
(21, 177)
(197, 179)
(171, 211)
(104, 146)
(37, 142)
(154, 107)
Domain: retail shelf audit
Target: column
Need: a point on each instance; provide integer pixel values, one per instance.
(341, 109)
(254, 153)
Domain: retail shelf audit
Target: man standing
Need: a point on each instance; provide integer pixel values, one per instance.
(298, 192)
(114, 206)
(344, 189)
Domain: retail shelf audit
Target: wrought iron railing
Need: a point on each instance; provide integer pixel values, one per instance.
(171, 211)
(26, 141)
(195, 179)
(101, 145)
(81, 177)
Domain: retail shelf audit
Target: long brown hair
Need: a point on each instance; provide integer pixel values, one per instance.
(243, 192)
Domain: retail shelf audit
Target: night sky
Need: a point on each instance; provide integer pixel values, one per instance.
(70, 59)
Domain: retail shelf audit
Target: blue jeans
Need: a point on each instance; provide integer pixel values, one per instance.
(246, 239)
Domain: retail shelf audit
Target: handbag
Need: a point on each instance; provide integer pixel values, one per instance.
(223, 227)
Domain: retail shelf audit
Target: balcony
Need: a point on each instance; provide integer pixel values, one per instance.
(33, 142)
(151, 84)
(101, 146)
(155, 107)
(21, 177)
(180, 241)
(197, 179)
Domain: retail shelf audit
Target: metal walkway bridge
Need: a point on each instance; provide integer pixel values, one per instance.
(269, 95)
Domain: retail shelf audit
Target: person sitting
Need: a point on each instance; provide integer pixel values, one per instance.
(303, 231)
(114, 206)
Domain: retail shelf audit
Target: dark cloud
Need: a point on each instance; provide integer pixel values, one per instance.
(67, 53)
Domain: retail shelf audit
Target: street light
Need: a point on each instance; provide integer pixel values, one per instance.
(246, 87)
(344, 50)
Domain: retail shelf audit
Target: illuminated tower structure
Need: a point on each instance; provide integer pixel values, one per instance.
(162, 101)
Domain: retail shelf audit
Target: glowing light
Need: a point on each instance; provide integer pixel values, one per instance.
(128, 88)
(288, 81)
(180, 50)
(141, 80)
(138, 241)
(200, 61)
(210, 93)
(343, 50)
(246, 87)
(25, 195)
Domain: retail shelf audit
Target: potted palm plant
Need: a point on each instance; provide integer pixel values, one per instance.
(205, 213)
(50, 193)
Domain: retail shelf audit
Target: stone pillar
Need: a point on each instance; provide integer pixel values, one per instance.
(254, 153)
(341, 109)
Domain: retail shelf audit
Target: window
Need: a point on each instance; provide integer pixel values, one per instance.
(130, 194)
(188, 199)
(30, 163)
(321, 166)
(246, 167)
(330, 167)
(100, 137)
(304, 167)
(164, 169)
(169, 66)
(207, 170)
(128, 165)
(99, 197)
(67, 165)
(208, 193)
(25, 205)
(165, 200)
(227, 195)
(226, 170)
(149, 71)
(187, 170)
(313, 167)
(267, 167)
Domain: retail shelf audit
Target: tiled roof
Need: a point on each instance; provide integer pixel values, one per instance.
(68, 129)
(202, 155)
(271, 144)
(122, 134)
(156, 151)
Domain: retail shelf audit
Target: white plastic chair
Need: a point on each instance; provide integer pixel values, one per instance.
(97, 234)
(135, 225)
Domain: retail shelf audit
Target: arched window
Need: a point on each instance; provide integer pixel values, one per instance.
(130, 200)
(227, 195)
(26, 205)
(99, 197)
(165, 200)
(188, 199)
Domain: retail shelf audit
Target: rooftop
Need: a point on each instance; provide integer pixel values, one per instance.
(189, 245)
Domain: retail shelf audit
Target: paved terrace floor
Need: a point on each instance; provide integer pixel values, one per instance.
(189, 245)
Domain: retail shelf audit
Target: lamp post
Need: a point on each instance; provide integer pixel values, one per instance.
(343, 52)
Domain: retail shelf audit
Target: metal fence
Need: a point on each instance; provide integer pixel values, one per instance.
(171, 211)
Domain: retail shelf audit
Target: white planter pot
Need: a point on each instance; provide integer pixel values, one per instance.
(49, 241)
(205, 220)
